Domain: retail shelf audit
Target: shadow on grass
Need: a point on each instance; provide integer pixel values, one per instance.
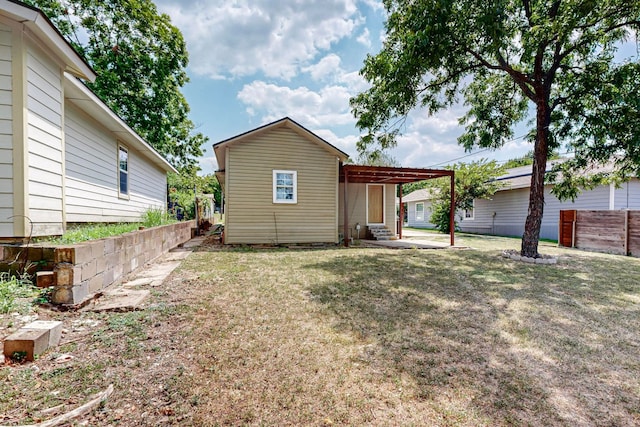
(516, 343)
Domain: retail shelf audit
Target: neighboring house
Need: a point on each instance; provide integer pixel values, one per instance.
(65, 157)
(505, 212)
(419, 208)
(284, 184)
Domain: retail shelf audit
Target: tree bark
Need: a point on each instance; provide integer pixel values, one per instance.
(531, 235)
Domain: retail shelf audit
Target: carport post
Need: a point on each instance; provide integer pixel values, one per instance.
(346, 214)
(401, 213)
(452, 210)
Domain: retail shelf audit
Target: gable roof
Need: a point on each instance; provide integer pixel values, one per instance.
(417, 195)
(41, 28)
(285, 122)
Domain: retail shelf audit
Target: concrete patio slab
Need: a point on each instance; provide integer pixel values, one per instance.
(408, 244)
(118, 299)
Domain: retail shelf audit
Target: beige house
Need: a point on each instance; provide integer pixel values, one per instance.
(284, 184)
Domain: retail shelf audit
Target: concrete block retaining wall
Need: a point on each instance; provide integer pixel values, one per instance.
(86, 268)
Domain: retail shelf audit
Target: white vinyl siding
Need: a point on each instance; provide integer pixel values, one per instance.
(251, 215)
(6, 134)
(627, 196)
(506, 212)
(44, 136)
(412, 221)
(92, 175)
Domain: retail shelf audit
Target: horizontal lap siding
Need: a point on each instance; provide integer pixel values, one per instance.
(251, 215)
(357, 209)
(628, 195)
(511, 207)
(390, 212)
(411, 215)
(44, 134)
(6, 134)
(91, 192)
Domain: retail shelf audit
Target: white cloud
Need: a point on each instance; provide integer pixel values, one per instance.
(328, 67)
(365, 38)
(328, 107)
(374, 4)
(240, 38)
(208, 164)
(346, 144)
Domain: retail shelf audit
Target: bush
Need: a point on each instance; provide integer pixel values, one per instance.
(153, 217)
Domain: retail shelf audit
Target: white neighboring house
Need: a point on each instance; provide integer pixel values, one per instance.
(504, 214)
(418, 208)
(65, 157)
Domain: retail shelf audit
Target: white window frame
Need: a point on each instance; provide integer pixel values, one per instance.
(121, 194)
(422, 204)
(275, 187)
(469, 214)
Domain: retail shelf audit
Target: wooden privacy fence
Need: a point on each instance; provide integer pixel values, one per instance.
(616, 232)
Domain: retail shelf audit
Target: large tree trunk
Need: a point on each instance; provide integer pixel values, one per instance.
(532, 225)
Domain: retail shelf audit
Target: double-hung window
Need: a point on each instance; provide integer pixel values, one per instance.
(285, 186)
(419, 211)
(468, 213)
(123, 171)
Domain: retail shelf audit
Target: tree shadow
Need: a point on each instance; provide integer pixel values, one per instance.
(511, 341)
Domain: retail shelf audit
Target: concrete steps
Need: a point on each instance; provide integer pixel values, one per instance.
(381, 232)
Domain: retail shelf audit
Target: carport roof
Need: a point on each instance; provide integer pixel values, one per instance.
(389, 175)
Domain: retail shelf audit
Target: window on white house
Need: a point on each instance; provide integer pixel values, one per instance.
(123, 171)
(285, 186)
(419, 211)
(468, 213)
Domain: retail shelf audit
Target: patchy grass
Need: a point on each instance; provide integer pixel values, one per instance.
(16, 294)
(84, 232)
(361, 336)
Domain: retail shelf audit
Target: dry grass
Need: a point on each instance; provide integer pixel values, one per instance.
(362, 336)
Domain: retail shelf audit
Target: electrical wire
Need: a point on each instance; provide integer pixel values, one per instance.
(476, 153)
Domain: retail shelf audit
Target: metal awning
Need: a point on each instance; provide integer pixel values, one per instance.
(389, 175)
(392, 175)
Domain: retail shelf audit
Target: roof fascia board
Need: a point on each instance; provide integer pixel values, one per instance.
(75, 90)
(284, 122)
(42, 28)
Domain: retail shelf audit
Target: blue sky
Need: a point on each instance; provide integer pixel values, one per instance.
(256, 61)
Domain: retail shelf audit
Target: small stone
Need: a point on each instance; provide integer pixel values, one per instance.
(63, 358)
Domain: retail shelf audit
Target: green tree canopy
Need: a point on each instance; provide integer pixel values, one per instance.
(506, 58)
(140, 60)
(475, 180)
(377, 158)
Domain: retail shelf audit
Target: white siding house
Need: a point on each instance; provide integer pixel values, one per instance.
(418, 209)
(59, 144)
(6, 140)
(504, 214)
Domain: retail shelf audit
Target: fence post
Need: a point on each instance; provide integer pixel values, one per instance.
(626, 232)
